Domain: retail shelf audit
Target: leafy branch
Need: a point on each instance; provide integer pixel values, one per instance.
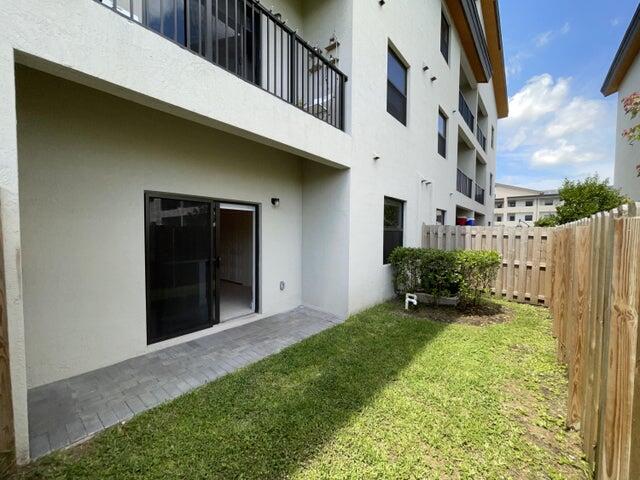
(631, 105)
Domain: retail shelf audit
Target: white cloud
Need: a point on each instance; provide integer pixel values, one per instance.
(615, 22)
(578, 115)
(540, 96)
(543, 39)
(562, 153)
(552, 130)
(515, 63)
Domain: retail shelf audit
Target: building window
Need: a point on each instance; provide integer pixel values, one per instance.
(499, 218)
(442, 134)
(499, 203)
(396, 87)
(393, 226)
(528, 218)
(548, 202)
(528, 203)
(490, 184)
(512, 218)
(512, 203)
(444, 37)
(493, 137)
(440, 216)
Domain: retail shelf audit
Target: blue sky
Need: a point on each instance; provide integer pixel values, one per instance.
(557, 53)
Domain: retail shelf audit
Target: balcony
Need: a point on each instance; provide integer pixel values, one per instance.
(481, 137)
(466, 113)
(479, 194)
(251, 42)
(464, 184)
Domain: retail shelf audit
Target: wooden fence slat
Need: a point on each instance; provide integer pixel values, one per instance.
(576, 339)
(522, 264)
(499, 233)
(535, 266)
(7, 431)
(621, 391)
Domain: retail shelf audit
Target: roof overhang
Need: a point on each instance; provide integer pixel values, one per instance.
(491, 15)
(627, 53)
(467, 22)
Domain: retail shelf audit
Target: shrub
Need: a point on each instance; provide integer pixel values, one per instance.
(478, 270)
(445, 273)
(432, 271)
(549, 221)
(407, 264)
(440, 274)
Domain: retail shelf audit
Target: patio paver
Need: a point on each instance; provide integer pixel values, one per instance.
(71, 410)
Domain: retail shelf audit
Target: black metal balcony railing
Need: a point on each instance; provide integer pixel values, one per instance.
(251, 42)
(479, 194)
(466, 113)
(464, 184)
(482, 139)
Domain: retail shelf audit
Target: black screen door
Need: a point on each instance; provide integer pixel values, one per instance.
(181, 293)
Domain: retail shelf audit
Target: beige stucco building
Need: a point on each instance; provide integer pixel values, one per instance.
(623, 78)
(171, 171)
(523, 206)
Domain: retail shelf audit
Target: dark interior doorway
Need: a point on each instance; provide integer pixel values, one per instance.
(237, 260)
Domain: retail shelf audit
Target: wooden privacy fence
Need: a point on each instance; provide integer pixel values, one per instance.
(7, 436)
(595, 296)
(588, 272)
(526, 255)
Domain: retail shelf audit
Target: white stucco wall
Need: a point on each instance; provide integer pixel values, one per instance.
(627, 156)
(88, 158)
(85, 160)
(325, 238)
(90, 44)
(408, 154)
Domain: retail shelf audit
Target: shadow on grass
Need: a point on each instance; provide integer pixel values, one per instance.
(264, 421)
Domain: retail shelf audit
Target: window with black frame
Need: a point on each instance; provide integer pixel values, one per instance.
(393, 226)
(444, 37)
(396, 87)
(440, 216)
(442, 134)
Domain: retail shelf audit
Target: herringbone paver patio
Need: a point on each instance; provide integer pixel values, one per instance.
(70, 410)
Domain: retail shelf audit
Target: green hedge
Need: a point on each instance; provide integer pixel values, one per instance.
(464, 273)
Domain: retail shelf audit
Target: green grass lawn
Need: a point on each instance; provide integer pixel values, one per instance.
(384, 395)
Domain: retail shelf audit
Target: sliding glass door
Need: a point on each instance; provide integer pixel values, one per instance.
(201, 258)
(181, 294)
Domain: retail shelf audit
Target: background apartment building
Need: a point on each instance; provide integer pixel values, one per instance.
(623, 78)
(523, 206)
(174, 168)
